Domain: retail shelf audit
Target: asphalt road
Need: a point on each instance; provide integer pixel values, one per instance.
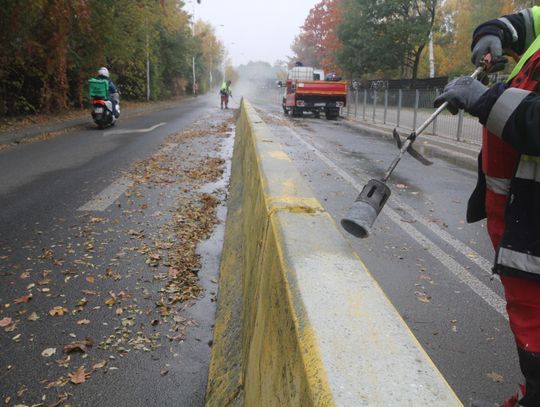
(433, 266)
(89, 225)
(58, 244)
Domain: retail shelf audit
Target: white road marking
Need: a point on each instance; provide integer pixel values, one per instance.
(483, 291)
(128, 131)
(107, 197)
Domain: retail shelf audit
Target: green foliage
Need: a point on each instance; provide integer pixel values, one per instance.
(385, 35)
(50, 48)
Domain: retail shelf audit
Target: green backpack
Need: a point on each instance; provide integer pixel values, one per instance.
(98, 88)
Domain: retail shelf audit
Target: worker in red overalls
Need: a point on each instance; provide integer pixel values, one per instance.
(508, 189)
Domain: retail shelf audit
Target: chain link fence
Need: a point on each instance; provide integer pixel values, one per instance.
(407, 109)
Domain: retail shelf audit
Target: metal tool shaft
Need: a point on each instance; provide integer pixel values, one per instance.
(419, 130)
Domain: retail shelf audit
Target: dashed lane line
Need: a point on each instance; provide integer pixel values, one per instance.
(106, 198)
(130, 131)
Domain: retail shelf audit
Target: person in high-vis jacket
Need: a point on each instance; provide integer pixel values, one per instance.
(508, 188)
(225, 91)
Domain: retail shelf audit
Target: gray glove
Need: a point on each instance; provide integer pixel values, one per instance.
(461, 93)
(489, 44)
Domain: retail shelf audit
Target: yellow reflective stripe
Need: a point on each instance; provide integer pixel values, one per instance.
(533, 158)
(500, 186)
(535, 46)
(535, 11)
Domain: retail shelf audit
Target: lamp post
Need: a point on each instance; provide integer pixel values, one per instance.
(193, 57)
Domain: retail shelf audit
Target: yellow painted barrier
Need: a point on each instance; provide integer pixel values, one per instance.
(300, 320)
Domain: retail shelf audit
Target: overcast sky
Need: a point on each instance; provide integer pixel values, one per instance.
(254, 30)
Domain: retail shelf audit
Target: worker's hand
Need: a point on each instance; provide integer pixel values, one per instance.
(489, 44)
(461, 93)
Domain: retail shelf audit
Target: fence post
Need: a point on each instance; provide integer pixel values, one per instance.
(399, 107)
(374, 104)
(416, 99)
(435, 120)
(385, 104)
(348, 103)
(364, 105)
(459, 125)
(355, 103)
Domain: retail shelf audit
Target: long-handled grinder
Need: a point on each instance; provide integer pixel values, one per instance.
(375, 193)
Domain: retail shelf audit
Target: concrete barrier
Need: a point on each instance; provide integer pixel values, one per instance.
(300, 320)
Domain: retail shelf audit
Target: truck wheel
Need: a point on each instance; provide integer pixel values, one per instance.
(296, 112)
(284, 109)
(331, 114)
(317, 114)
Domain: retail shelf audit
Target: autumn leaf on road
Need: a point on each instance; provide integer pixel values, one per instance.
(5, 322)
(78, 346)
(496, 377)
(79, 376)
(23, 299)
(83, 322)
(47, 353)
(57, 311)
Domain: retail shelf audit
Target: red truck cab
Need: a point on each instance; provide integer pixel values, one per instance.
(307, 91)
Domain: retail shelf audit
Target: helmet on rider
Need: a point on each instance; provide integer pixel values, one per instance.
(103, 72)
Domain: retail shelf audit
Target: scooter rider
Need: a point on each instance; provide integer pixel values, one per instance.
(114, 96)
(508, 189)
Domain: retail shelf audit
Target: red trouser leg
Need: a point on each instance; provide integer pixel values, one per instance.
(523, 306)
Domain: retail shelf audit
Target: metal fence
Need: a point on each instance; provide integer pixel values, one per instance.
(407, 109)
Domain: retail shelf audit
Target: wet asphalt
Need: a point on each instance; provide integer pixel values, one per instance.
(77, 260)
(419, 267)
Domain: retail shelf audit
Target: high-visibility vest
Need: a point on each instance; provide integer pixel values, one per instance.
(500, 159)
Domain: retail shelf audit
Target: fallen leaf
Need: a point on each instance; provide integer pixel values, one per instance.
(99, 365)
(57, 311)
(23, 299)
(89, 292)
(83, 321)
(47, 353)
(496, 377)
(91, 280)
(78, 346)
(64, 362)
(79, 376)
(5, 322)
(25, 274)
(164, 372)
(33, 317)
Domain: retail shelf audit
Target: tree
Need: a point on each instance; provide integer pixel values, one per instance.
(318, 44)
(386, 35)
(456, 23)
(50, 48)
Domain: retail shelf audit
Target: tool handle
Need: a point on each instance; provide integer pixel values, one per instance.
(424, 125)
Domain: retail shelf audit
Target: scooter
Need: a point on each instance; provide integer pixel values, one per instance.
(102, 112)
